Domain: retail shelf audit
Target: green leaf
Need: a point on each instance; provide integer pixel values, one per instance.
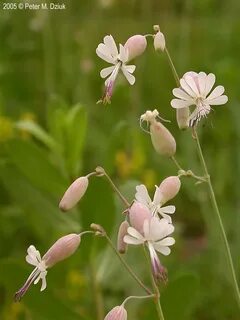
(180, 296)
(34, 164)
(38, 133)
(76, 125)
(40, 211)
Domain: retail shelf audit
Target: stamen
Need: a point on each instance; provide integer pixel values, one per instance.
(21, 292)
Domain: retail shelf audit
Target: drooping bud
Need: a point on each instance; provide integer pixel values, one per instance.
(159, 41)
(162, 140)
(122, 231)
(136, 45)
(169, 188)
(73, 194)
(183, 118)
(138, 213)
(62, 249)
(117, 313)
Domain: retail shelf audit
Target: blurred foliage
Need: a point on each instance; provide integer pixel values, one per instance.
(52, 131)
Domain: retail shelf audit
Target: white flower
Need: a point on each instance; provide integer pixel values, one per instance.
(39, 273)
(155, 235)
(155, 205)
(108, 51)
(195, 90)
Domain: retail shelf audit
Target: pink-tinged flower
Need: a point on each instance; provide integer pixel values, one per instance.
(155, 235)
(136, 45)
(117, 313)
(74, 193)
(138, 213)
(108, 51)
(169, 188)
(196, 89)
(162, 139)
(155, 205)
(60, 250)
(122, 231)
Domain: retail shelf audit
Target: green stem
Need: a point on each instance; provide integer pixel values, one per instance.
(219, 219)
(96, 292)
(174, 71)
(127, 267)
(101, 172)
(155, 287)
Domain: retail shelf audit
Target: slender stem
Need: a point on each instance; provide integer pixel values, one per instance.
(101, 171)
(187, 173)
(127, 267)
(174, 71)
(138, 297)
(176, 163)
(219, 219)
(155, 287)
(97, 292)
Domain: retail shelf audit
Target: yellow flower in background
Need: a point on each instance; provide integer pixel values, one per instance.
(76, 284)
(129, 163)
(26, 116)
(149, 178)
(6, 129)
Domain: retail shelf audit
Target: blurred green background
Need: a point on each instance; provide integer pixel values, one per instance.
(52, 131)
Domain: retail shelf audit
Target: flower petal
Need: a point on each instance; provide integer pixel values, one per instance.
(178, 104)
(218, 91)
(106, 72)
(168, 209)
(179, 93)
(131, 68)
(187, 88)
(169, 241)
(102, 53)
(210, 80)
(142, 195)
(163, 250)
(130, 78)
(218, 101)
(131, 240)
(123, 53)
(111, 45)
(134, 233)
(192, 84)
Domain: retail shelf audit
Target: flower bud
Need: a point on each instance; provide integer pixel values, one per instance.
(117, 313)
(122, 231)
(62, 249)
(136, 45)
(183, 118)
(169, 188)
(162, 140)
(159, 41)
(138, 213)
(73, 194)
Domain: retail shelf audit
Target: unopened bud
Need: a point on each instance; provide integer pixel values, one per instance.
(73, 194)
(122, 232)
(162, 140)
(159, 41)
(136, 45)
(97, 228)
(169, 188)
(138, 213)
(183, 118)
(62, 249)
(117, 313)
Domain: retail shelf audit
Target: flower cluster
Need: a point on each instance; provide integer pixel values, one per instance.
(151, 224)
